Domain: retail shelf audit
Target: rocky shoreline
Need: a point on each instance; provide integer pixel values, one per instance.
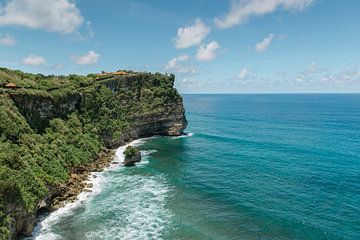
(65, 193)
(52, 133)
(78, 181)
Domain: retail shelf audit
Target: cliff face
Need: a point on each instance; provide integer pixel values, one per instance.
(166, 118)
(58, 125)
(39, 109)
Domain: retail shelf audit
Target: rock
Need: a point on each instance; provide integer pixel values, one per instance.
(132, 156)
(165, 119)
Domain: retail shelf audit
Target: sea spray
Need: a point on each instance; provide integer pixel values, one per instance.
(43, 230)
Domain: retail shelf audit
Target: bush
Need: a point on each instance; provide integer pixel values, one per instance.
(32, 161)
(130, 152)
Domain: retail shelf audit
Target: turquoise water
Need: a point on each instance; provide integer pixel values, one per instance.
(256, 167)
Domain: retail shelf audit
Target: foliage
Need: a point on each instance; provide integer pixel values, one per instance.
(130, 152)
(103, 112)
(42, 82)
(12, 123)
(31, 161)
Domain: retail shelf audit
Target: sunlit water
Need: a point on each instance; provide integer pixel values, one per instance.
(254, 167)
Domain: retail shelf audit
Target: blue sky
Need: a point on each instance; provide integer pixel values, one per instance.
(212, 46)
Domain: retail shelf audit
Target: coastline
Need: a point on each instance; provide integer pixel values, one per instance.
(54, 133)
(84, 183)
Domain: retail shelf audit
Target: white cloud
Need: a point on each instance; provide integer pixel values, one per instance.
(90, 58)
(175, 65)
(243, 73)
(264, 44)
(191, 35)
(315, 74)
(242, 10)
(34, 60)
(344, 77)
(7, 40)
(61, 16)
(207, 52)
(312, 70)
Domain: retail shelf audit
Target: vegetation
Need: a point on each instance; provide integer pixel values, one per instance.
(130, 151)
(34, 159)
(42, 82)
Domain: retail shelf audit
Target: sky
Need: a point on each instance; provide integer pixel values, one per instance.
(212, 46)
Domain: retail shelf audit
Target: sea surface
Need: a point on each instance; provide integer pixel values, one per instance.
(257, 166)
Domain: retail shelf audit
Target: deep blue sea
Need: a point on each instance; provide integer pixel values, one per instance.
(257, 166)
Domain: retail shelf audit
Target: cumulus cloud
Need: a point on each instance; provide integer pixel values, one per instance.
(176, 65)
(264, 44)
(207, 52)
(34, 60)
(242, 10)
(90, 58)
(7, 40)
(243, 73)
(61, 16)
(191, 35)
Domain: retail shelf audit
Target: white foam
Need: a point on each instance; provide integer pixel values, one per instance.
(43, 230)
(147, 152)
(185, 135)
(119, 154)
(139, 209)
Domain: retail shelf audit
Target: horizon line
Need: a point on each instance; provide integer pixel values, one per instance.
(253, 93)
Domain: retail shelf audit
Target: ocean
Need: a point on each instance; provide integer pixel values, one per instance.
(253, 166)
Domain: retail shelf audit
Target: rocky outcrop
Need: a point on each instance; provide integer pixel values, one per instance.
(138, 94)
(23, 221)
(132, 156)
(40, 109)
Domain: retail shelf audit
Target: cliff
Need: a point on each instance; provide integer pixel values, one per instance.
(150, 104)
(51, 126)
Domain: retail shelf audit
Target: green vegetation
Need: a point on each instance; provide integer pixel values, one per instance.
(80, 112)
(130, 151)
(41, 82)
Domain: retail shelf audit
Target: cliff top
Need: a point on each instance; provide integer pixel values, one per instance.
(39, 82)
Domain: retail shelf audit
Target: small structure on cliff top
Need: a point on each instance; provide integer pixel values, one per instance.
(11, 86)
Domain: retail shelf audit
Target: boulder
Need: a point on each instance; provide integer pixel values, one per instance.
(132, 156)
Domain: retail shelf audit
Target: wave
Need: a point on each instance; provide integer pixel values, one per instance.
(147, 152)
(137, 209)
(185, 135)
(43, 230)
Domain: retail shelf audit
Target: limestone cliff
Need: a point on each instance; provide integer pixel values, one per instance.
(47, 133)
(165, 118)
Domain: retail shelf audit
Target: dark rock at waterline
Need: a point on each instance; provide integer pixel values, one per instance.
(132, 156)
